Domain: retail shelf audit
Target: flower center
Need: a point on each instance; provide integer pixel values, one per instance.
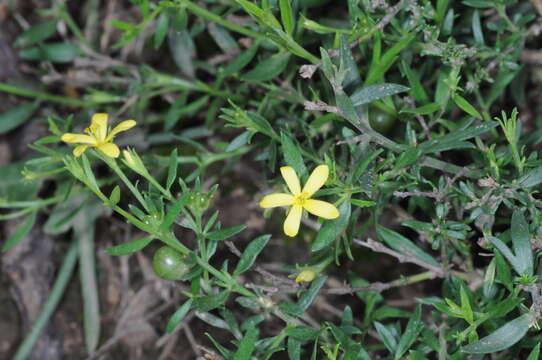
(301, 198)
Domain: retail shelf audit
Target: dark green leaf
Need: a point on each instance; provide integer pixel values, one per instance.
(413, 329)
(54, 52)
(387, 337)
(332, 228)
(292, 155)
(247, 344)
(129, 247)
(251, 253)
(178, 315)
(161, 29)
(172, 170)
(532, 178)
(209, 302)
(223, 234)
(11, 119)
(368, 94)
(502, 338)
(268, 69)
(36, 33)
(21, 232)
(466, 106)
(521, 241)
(308, 296)
(240, 61)
(534, 355)
(403, 245)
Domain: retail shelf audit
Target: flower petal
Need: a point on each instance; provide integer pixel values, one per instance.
(123, 126)
(278, 199)
(321, 208)
(316, 180)
(109, 149)
(78, 138)
(291, 224)
(289, 175)
(99, 126)
(79, 150)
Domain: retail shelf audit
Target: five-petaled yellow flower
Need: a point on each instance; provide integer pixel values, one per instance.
(301, 199)
(98, 136)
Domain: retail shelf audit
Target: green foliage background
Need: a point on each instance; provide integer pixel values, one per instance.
(424, 111)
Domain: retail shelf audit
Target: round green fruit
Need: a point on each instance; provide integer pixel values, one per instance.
(169, 264)
(380, 120)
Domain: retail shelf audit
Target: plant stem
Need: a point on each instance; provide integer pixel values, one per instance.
(43, 96)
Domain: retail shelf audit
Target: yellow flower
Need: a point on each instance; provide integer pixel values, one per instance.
(301, 199)
(98, 136)
(306, 276)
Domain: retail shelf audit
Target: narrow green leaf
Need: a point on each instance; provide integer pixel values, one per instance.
(292, 155)
(251, 253)
(362, 203)
(287, 16)
(417, 90)
(11, 119)
(223, 234)
(502, 338)
(114, 198)
(268, 69)
(505, 250)
(129, 247)
(178, 316)
(247, 344)
(161, 29)
(380, 66)
(423, 110)
(172, 170)
(54, 52)
(466, 106)
(414, 327)
(332, 228)
(521, 241)
(294, 348)
(534, 355)
(348, 64)
(209, 302)
(222, 38)
(308, 296)
(21, 232)
(403, 245)
(387, 337)
(173, 212)
(532, 178)
(36, 33)
(368, 94)
(239, 62)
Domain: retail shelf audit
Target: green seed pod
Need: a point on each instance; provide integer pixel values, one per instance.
(169, 264)
(380, 120)
(198, 202)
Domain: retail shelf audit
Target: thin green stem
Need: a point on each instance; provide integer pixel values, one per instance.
(43, 96)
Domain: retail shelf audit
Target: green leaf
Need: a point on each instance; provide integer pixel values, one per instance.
(129, 247)
(368, 94)
(247, 344)
(268, 69)
(532, 178)
(387, 337)
(11, 119)
(332, 228)
(222, 38)
(414, 327)
(161, 29)
(456, 139)
(172, 170)
(178, 316)
(379, 67)
(362, 203)
(173, 212)
(294, 346)
(502, 338)
(403, 245)
(466, 106)
(348, 64)
(54, 52)
(36, 33)
(209, 302)
(521, 241)
(223, 234)
(239, 62)
(251, 253)
(418, 92)
(423, 110)
(308, 296)
(21, 232)
(114, 198)
(182, 49)
(287, 16)
(534, 355)
(292, 155)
